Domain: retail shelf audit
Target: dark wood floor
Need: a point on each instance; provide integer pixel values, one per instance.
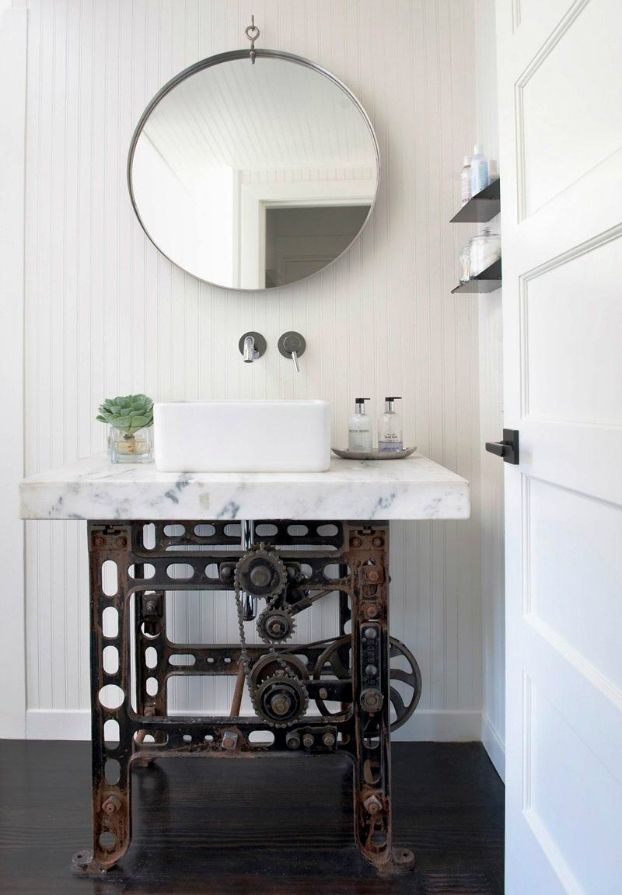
(252, 827)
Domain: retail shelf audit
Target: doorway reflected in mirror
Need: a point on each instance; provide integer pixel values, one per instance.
(300, 240)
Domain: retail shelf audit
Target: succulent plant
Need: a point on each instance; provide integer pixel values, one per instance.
(129, 413)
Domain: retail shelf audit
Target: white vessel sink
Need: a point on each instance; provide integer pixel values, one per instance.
(242, 436)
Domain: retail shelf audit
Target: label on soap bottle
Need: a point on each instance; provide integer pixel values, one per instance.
(390, 442)
(359, 440)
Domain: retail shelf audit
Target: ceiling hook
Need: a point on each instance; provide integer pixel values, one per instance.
(252, 32)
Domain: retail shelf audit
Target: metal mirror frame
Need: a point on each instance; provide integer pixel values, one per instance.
(229, 56)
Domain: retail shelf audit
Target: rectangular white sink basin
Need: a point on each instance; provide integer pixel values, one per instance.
(242, 436)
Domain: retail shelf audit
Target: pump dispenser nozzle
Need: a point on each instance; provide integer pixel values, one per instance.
(388, 402)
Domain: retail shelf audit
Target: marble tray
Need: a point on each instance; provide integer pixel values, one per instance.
(374, 455)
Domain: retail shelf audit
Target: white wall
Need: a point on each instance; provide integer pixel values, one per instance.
(491, 420)
(13, 49)
(194, 224)
(105, 314)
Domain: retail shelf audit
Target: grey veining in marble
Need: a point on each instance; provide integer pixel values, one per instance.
(416, 488)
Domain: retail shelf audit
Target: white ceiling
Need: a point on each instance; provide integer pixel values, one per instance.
(272, 115)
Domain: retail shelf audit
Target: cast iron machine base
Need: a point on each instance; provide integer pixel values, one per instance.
(343, 694)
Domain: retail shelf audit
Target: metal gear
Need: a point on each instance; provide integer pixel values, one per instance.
(281, 699)
(275, 625)
(276, 665)
(260, 572)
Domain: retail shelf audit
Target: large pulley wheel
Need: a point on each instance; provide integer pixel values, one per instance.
(404, 675)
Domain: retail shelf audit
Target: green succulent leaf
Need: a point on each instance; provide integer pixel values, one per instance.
(129, 413)
(140, 421)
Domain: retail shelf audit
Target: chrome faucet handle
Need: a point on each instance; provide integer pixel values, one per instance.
(292, 344)
(252, 345)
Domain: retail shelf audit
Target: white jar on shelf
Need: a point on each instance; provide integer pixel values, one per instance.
(485, 249)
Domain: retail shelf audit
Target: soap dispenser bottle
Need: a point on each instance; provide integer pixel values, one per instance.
(390, 427)
(479, 170)
(360, 437)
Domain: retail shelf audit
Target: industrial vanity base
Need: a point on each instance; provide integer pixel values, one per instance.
(356, 682)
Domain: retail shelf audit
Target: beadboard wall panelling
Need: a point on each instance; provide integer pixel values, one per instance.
(491, 422)
(105, 314)
(13, 55)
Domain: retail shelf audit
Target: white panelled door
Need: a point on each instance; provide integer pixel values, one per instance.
(560, 106)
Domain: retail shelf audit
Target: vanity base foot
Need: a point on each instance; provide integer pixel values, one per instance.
(84, 864)
(393, 862)
(402, 860)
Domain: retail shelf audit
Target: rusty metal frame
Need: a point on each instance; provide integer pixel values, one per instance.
(143, 729)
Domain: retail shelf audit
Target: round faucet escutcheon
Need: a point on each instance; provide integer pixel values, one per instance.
(252, 349)
(292, 343)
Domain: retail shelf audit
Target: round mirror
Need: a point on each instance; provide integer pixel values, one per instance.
(252, 176)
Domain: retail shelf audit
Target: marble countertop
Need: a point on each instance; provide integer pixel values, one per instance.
(93, 488)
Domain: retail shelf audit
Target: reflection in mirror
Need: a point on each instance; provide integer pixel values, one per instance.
(301, 239)
(253, 176)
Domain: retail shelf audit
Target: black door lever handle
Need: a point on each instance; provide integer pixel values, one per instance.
(496, 447)
(508, 448)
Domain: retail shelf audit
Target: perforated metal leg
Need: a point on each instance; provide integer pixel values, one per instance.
(110, 699)
(368, 562)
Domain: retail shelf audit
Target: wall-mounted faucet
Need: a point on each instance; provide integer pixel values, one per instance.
(252, 346)
(250, 352)
(292, 344)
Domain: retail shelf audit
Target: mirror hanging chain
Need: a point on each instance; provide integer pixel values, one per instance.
(252, 32)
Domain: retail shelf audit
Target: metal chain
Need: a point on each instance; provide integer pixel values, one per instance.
(244, 659)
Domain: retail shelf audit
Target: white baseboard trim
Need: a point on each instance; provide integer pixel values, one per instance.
(494, 745)
(439, 726)
(58, 724)
(425, 724)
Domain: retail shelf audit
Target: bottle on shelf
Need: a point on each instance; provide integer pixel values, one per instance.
(479, 170)
(360, 436)
(390, 427)
(465, 180)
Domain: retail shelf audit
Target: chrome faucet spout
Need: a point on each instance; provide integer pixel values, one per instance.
(250, 352)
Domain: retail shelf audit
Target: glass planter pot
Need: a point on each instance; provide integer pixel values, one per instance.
(134, 448)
